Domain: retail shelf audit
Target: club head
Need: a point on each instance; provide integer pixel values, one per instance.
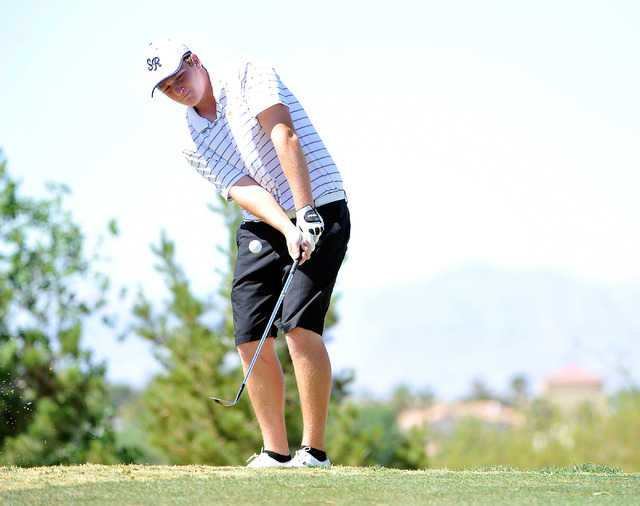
(222, 402)
(225, 403)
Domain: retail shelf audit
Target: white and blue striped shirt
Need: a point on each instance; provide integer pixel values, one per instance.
(235, 145)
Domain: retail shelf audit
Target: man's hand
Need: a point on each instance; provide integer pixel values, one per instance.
(310, 224)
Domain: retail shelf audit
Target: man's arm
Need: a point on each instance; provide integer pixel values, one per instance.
(277, 123)
(259, 202)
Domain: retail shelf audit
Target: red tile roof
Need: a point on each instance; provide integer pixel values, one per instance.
(573, 376)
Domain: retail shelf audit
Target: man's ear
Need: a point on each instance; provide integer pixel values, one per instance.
(196, 60)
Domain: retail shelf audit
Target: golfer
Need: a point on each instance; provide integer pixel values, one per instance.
(252, 139)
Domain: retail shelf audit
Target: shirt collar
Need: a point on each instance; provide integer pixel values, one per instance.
(198, 122)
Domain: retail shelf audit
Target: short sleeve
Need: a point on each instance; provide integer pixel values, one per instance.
(215, 170)
(263, 88)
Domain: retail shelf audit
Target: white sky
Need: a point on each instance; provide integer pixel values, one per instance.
(497, 132)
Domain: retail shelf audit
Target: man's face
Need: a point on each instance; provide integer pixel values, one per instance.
(185, 86)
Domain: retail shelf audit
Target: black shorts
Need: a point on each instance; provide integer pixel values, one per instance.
(259, 277)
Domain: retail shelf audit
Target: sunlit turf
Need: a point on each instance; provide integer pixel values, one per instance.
(138, 484)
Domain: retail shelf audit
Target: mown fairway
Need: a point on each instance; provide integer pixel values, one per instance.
(135, 484)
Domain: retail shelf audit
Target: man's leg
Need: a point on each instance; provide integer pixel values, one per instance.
(266, 390)
(313, 375)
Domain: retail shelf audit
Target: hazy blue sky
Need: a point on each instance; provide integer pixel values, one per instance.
(470, 131)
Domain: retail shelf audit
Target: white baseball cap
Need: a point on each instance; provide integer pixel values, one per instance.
(163, 59)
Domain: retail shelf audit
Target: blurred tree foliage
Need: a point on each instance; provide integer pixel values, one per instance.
(194, 344)
(548, 438)
(366, 433)
(54, 408)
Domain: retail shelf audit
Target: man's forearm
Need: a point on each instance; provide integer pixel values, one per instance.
(294, 165)
(277, 123)
(259, 202)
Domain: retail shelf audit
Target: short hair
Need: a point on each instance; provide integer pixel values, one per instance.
(189, 59)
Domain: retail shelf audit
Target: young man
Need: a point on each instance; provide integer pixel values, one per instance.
(251, 138)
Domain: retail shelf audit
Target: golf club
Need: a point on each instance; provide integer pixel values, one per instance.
(262, 339)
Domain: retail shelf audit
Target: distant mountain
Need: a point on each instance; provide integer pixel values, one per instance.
(483, 323)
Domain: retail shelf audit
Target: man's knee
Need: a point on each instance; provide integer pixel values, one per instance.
(248, 350)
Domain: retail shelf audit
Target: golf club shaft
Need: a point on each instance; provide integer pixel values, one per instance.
(294, 267)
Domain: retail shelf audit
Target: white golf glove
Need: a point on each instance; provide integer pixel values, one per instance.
(310, 224)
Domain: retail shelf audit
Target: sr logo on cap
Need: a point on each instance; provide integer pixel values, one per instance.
(153, 63)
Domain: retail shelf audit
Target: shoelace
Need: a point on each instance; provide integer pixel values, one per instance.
(304, 455)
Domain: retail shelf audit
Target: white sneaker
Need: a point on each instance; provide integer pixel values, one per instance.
(264, 460)
(303, 458)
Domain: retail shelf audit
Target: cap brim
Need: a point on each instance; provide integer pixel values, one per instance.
(166, 77)
(187, 53)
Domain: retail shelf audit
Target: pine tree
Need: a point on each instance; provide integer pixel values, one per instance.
(54, 407)
(195, 346)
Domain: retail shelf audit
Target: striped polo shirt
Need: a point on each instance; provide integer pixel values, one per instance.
(235, 145)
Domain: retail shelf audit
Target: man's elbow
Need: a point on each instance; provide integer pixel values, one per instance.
(283, 136)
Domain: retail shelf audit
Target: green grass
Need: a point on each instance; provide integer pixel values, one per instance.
(136, 484)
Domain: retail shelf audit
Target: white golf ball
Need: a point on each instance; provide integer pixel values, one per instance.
(255, 246)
